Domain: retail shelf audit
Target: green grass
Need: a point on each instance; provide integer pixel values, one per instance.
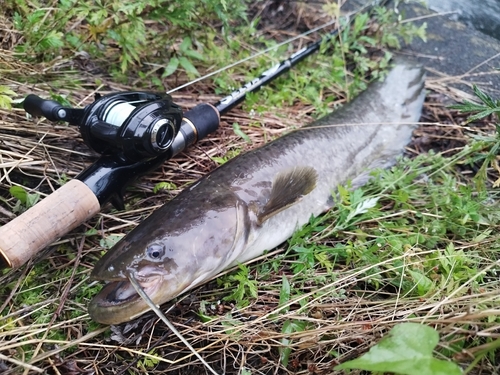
(159, 44)
(125, 34)
(419, 243)
(438, 245)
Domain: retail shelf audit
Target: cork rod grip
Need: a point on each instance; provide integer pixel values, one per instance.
(42, 224)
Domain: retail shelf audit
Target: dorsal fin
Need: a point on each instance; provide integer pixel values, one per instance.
(288, 187)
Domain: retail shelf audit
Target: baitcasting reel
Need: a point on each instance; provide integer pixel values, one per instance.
(135, 125)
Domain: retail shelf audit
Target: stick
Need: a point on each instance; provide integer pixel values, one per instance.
(158, 312)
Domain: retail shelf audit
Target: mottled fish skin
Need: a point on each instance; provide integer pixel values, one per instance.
(237, 212)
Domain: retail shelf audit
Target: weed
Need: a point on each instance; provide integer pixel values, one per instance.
(165, 185)
(406, 350)
(148, 362)
(411, 251)
(341, 66)
(246, 288)
(109, 241)
(413, 237)
(228, 156)
(240, 133)
(6, 96)
(491, 143)
(290, 327)
(25, 199)
(120, 32)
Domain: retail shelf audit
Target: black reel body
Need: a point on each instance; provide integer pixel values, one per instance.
(142, 125)
(133, 125)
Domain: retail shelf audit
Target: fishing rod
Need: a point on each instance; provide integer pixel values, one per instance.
(134, 132)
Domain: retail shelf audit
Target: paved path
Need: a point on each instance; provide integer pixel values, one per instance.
(454, 48)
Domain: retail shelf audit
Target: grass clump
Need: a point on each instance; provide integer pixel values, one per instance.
(344, 65)
(416, 240)
(491, 143)
(418, 244)
(121, 35)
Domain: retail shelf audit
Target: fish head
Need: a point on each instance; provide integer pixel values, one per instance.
(149, 264)
(176, 248)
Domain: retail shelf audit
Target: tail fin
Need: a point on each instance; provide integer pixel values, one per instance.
(400, 98)
(403, 89)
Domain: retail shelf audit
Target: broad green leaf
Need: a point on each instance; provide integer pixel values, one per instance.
(19, 193)
(171, 67)
(61, 99)
(285, 350)
(406, 350)
(164, 185)
(290, 326)
(186, 44)
(481, 237)
(6, 95)
(194, 54)
(285, 291)
(91, 232)
(28, 200)
(424, 284)
(186, 64)
(32, 199)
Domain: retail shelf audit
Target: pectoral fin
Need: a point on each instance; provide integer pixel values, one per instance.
(288, 188)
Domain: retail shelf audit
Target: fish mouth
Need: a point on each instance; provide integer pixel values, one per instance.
(122, 291)
(118, 301)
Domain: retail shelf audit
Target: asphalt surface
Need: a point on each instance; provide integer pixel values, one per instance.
(453, 48)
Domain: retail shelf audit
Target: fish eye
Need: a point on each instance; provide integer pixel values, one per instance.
(155, 251)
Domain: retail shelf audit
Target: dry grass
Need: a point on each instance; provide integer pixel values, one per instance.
(36, 154)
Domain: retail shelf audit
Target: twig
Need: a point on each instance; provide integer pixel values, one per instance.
(27, 366)
(158, 312)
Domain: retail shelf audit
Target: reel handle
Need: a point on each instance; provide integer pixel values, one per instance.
(39, 107)
(51, 109)
(51, 218)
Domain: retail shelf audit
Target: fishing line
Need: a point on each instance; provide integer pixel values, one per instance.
(315, 45)
(159, 313)
(252, 56)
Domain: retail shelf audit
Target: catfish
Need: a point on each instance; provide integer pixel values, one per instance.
(257, 200)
